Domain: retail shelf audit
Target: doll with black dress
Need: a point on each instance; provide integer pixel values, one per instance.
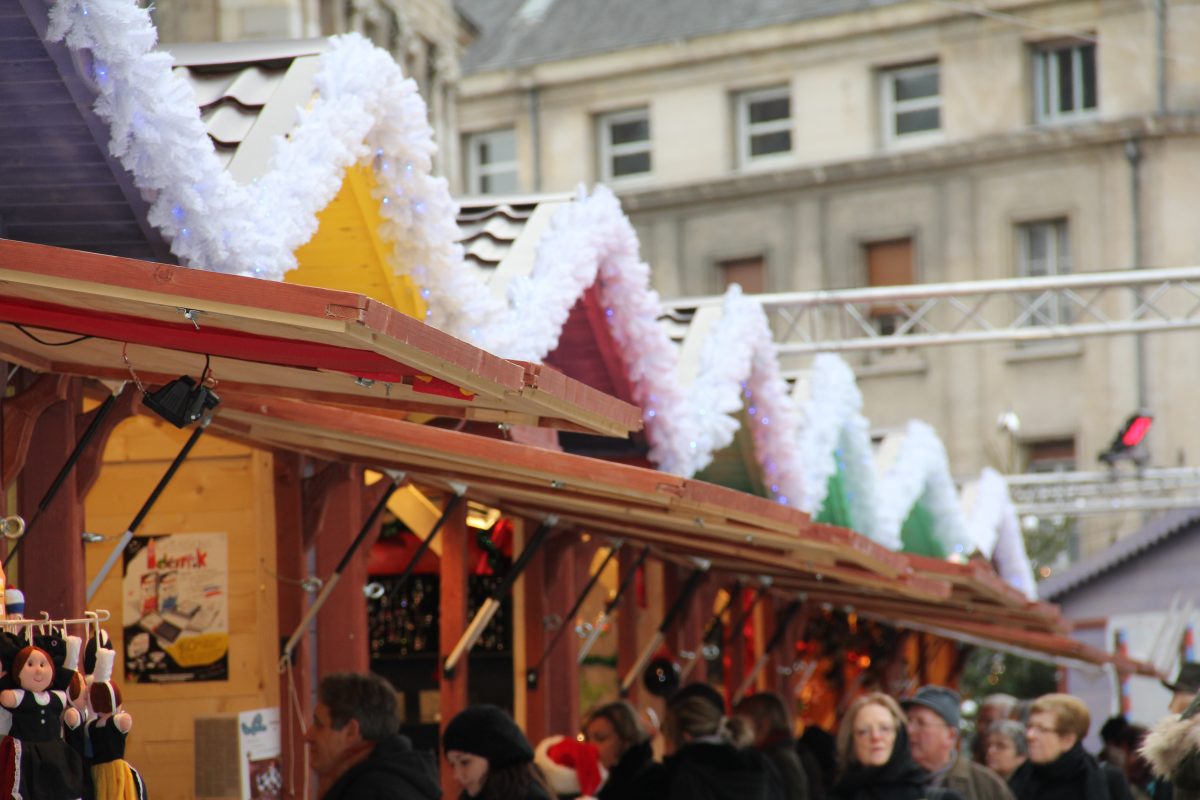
(112, 777)
(50, 770)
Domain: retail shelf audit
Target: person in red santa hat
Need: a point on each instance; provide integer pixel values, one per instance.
(572, 768)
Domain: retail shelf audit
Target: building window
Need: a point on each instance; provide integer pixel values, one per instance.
(749, 273)
(624, 144)
(1043, 250)
(1064, 82)
(889, 263)
(492, 162)
(764, 124)
(912, 103)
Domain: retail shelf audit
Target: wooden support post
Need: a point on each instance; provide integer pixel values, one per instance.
(342, 644)
(533, 587)
(691, 629)
(766, 620)
(627, 624)
(455, 570)
(51, 566)
(735, 645)
(290, 562)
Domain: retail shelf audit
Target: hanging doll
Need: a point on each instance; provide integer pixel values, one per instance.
(50, 769)
(112, 777)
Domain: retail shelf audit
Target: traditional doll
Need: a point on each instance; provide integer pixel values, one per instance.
(50, 770)
(112, 777)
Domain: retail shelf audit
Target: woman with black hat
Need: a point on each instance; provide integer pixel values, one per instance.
(491, 757)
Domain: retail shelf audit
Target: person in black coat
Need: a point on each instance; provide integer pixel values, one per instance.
(703, 760)
(771, 725)
(356, 748)
(1059, 768)
(623, 744)
(873, 756)
(491, 758)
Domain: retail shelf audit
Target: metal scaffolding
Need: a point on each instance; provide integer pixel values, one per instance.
(1013, 310)
(1072, 494)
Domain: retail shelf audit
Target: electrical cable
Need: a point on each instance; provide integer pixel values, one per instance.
(76, 340)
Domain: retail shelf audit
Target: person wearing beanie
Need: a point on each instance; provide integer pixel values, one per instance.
(933, 736)
(491, 757)
(356, 748)
(572, 768)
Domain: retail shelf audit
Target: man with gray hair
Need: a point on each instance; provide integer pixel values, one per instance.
(933, 720)
(356, 748)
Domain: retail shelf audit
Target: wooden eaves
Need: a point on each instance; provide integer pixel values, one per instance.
(677, 516)
(681, 519)
(317, 344)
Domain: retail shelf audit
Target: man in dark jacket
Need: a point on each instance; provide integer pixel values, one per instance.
(355, 746)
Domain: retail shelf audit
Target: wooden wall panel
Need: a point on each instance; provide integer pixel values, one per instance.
(223, 487)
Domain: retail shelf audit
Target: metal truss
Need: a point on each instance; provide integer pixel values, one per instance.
(1014, 310)
(1079, 493)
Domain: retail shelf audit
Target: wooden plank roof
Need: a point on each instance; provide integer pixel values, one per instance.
(317, 344)
(58, 183)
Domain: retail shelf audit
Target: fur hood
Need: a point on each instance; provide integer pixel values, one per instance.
(1173, 748)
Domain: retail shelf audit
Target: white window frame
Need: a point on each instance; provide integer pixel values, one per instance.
(1050, 309)
(1046, 90)
(607, 151)
(477, 170)
(891, 108)
(746, 130)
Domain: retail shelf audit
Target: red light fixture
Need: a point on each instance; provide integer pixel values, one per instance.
(1128, 441)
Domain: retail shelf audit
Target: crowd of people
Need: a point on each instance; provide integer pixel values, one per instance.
(885, 748)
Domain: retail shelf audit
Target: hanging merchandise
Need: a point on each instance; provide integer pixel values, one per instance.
(112, 777)
(50, 770)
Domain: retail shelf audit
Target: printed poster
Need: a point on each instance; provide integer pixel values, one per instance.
(176, 608)
(261, 753)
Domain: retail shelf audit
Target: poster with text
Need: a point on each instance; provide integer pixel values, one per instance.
(176, 608)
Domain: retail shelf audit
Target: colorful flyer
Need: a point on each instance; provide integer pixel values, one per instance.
(261, 754)
(176, 608)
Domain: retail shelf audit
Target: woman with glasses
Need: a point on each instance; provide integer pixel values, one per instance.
(874, 762)
(1060, 769)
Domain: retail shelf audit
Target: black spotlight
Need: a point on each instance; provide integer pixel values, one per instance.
(181, 401)
(661, 677)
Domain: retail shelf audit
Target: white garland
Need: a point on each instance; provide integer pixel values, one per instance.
(367, 112)
(365, 109)
(992, 517)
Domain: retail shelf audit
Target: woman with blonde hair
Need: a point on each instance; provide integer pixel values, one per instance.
(874, 762)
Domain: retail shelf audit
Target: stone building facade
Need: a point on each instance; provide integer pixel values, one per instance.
(801, 145)
(427, 37)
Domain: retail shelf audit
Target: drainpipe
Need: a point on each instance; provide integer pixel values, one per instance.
(1160, 53)
(535, 135)
(1133, 154)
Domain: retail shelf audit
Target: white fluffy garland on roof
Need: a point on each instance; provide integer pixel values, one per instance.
(920, 472)
(365, 108)
(367, 112)
(992, 517)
